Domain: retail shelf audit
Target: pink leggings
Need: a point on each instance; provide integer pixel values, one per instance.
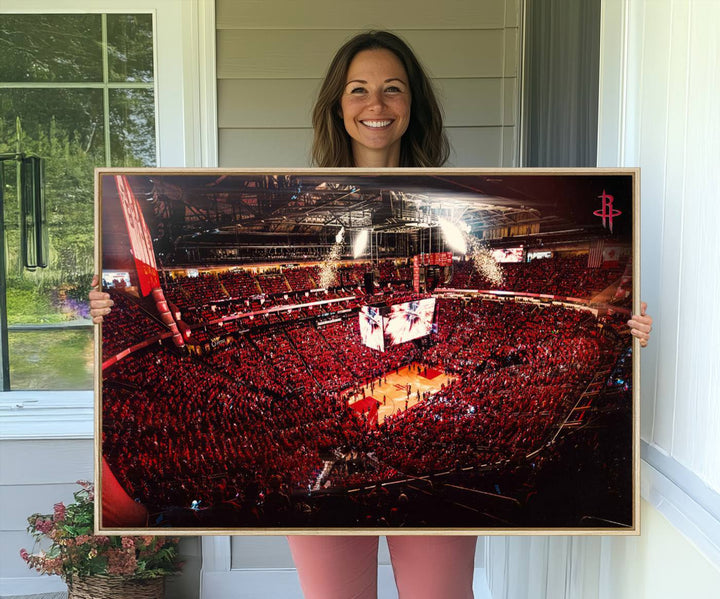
(425, 567)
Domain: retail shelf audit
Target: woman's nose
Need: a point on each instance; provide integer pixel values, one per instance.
(376, 99)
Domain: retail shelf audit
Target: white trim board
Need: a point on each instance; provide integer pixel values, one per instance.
(46, 415)
(694, 516)
(44, 587)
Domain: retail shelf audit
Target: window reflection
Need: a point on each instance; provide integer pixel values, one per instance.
(130, 40)
(62, 118)
(61, 48)
(132, 127)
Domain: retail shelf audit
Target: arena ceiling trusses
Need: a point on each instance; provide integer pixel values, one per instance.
(203, 210)
(302, 204)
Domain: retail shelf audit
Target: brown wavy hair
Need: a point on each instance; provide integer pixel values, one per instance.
(423, 144)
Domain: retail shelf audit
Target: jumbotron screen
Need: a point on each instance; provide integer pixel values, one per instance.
(508, 254)
(410, 320)
(116, 278)
(371, 328)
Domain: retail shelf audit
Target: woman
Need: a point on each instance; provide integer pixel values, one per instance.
(376, 108)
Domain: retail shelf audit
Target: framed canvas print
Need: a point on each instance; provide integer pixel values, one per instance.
(353, 351)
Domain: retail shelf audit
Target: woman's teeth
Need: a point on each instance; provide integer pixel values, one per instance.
(376, 124)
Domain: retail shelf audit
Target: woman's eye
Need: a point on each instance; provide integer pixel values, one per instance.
(393, 89)
(357, 90)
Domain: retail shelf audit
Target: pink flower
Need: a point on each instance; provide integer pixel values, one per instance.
(71, 554)
(128, 543)
(43, 526)
(59, 509)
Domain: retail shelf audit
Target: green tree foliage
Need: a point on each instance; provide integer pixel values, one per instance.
(52, 47)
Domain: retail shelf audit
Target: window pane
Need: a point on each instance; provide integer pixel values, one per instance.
(50, 48)
(132, 127)
(130, 47)
(65, 127)
(53, 118)
(51, 359)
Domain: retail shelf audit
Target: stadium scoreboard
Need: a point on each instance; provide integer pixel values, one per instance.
(382, 326)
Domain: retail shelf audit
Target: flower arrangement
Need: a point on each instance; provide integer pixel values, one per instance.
(74, 551)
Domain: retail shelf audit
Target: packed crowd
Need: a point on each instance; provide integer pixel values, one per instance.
(565, 276)
(191, 424)
(128, 325)
(213, 295)
(520, 371)
(270, 401)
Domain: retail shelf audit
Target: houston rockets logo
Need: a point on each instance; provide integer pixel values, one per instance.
(607, 212)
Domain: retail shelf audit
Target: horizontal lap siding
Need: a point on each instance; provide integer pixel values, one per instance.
(279, 148)
(34, 475)
(271, 59)
(275, 148)
(306, 54)
(466, 102)
(338, 14)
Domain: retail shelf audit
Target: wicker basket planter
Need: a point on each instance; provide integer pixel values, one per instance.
(116, 587)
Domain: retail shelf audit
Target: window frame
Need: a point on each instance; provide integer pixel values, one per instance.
(186, 135)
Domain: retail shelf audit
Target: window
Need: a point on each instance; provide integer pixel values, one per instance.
(79, 91)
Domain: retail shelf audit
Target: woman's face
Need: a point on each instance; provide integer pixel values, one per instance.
(375, 107)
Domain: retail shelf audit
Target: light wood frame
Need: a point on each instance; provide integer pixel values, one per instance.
(507, 190)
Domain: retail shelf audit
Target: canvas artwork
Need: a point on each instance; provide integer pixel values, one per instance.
(348, 351)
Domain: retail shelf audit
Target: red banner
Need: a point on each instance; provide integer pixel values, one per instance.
(442, 259)
(611, 256)
(165, 315)
(140, 239)
(434, 259)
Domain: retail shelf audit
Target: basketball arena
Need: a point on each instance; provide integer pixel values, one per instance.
(369, 351)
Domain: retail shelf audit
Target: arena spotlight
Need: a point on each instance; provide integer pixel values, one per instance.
(453, 235)
(360, 244)
(340, 235)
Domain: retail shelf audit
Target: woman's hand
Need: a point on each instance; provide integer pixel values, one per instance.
(641, 325)
(100, 302)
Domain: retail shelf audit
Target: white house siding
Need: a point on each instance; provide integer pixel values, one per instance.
(271, 57)
(34, 475)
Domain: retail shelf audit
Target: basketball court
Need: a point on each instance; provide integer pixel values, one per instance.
(398, 391)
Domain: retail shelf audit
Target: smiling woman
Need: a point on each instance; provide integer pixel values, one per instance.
(375, 78)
